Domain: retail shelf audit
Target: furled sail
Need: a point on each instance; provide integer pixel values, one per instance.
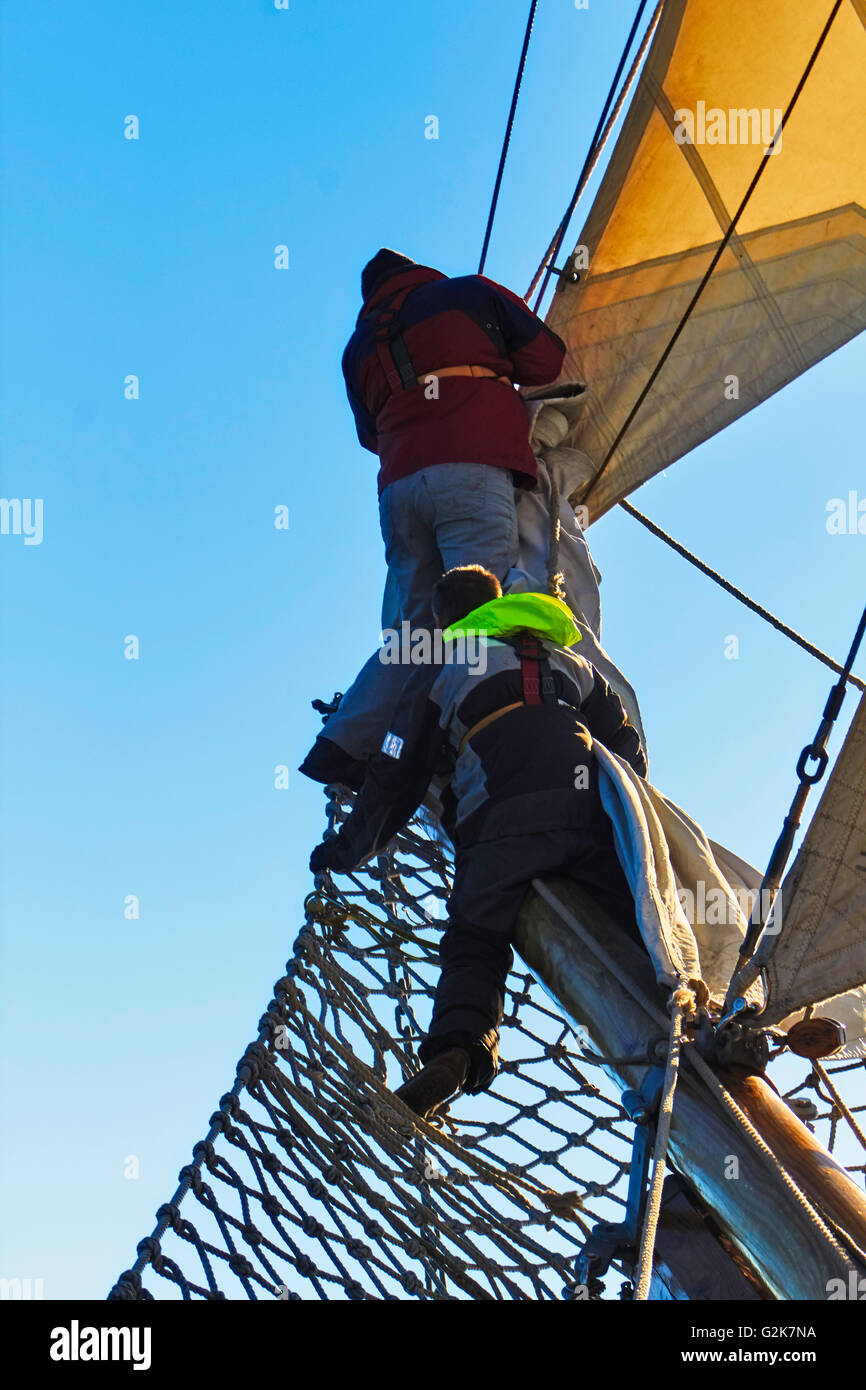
(820, 950)
(790, 285)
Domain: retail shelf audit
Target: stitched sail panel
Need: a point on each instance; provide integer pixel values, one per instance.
(820, 950)
(790, 286)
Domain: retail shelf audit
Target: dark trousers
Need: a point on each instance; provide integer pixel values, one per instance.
(491, 879)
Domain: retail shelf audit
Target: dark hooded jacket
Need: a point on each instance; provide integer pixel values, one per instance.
(444, 322)
(515, 776)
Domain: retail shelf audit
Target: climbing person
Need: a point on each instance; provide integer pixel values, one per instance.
(430, 372)
(507, 724)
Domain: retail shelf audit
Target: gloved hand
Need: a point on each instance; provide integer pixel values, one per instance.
(327, 855)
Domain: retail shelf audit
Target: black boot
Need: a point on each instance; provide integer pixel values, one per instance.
(436, 1082)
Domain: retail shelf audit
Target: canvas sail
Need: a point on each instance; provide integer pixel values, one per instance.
(820, 950)
(790, 286)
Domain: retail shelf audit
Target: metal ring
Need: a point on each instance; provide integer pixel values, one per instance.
(810, 778)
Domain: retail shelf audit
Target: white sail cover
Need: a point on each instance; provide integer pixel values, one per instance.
(820, 950)
(790, 286)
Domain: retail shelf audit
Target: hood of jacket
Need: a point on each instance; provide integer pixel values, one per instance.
(541, 614)
(408, 278)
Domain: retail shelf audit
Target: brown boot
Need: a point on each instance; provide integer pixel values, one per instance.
(441, 1078)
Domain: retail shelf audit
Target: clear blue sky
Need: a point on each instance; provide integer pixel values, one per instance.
(155, 777)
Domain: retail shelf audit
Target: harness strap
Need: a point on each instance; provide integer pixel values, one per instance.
(463, 371)
(394, 357)
(488, 719)
(391, 347)
(538, 683)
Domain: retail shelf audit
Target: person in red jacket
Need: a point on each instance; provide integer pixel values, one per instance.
(430, 373)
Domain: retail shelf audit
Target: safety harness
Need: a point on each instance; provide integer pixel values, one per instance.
(391, 346)
(538, 684)
(394, 357)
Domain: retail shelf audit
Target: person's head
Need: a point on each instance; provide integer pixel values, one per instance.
(460, 591)
(385, 262)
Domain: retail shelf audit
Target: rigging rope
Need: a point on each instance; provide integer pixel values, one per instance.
(555, 576)
(717, 255)
(336, 1164)
(723, 1096)
(768, 1158)
(314, 1177)
(738, 594)
(313, 1181)
(745, 970)
(838, 1102)
(682, 1003)
(508, 129)
(596, 147)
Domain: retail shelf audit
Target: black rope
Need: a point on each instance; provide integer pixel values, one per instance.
(738, 594)
(719, 252)
(508, 129)
(559, 236)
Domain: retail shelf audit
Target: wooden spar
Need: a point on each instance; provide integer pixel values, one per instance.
(755, 1208)
(691, 1262)
(814, 1170)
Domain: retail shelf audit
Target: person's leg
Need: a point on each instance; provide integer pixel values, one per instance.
(414, 564)
(475, 517)
(354, 732)
(491, 880)
(595, 866)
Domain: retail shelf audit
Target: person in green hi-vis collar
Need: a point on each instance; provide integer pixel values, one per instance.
(504, 714)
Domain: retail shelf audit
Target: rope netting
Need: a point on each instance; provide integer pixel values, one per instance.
(315, 1181)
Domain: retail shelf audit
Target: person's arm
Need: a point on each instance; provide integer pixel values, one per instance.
(365, 420)
(536, 352)
(607, 720)
(396, 781)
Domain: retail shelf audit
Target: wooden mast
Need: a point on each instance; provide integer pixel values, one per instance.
(708, 1148)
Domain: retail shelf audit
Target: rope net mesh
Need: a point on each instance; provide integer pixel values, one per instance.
(315, 1182)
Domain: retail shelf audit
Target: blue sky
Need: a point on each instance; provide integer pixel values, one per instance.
(155, 777)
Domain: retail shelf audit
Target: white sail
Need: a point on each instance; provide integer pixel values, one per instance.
(820, 950)
(790, 286)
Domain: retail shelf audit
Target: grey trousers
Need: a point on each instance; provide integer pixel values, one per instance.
(446, 515)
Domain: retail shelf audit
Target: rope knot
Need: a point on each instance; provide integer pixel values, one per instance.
(171, 1213)
(192, 1175)
(150, 1248)
(128, 1288)
(563, 1203)
(205, 1153)
(252, 1066)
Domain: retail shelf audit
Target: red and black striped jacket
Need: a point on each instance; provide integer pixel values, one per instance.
(444, 322)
